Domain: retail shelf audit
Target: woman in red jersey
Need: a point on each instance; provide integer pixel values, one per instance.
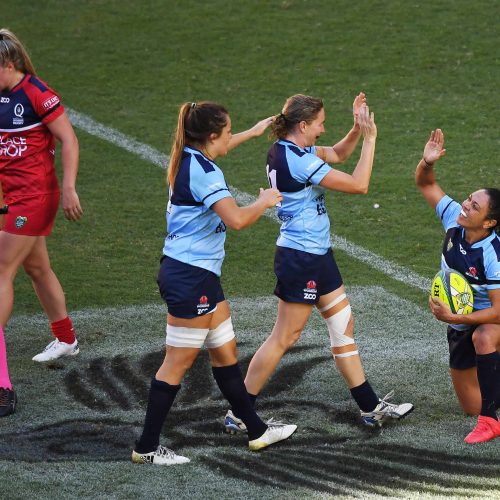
(31, 119)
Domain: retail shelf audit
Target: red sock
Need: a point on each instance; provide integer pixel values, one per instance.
(63, 330)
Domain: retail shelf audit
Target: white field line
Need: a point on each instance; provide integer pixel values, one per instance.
(152, 155)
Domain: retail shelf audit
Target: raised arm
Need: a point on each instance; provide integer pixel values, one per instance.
(237, 217)
(257, 130)
(424, 174)
(61, 128)
(359, 180)
(343, 149)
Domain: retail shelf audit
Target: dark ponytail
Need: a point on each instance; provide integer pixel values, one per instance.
(195, 123)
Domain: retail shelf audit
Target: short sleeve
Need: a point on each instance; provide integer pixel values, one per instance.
(46, 103)
(308, 168)
(208, 184)
(448, 210)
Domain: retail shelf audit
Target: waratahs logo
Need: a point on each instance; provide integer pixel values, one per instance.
(311, 284)
(203, 300)
(203, 305)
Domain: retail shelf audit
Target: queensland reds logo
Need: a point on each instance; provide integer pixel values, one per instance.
(311, 284)
(203, 299)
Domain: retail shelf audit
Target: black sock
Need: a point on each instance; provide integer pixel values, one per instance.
(161, 397)
(230, 382)
(365, 396)
(488, 375)
(253, 399)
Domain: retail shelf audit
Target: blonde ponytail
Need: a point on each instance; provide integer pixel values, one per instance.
(13, 51)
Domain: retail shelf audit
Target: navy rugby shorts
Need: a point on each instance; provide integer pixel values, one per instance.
(304, 277)
(462, 352)
(189, 291)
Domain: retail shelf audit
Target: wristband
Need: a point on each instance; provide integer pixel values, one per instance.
(4, 209)
(427, 165)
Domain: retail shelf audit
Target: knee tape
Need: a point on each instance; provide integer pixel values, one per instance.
(180, 336)
(337, 326)
(220, 335)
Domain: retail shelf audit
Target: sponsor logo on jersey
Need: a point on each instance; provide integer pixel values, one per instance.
(12, 146)
(450, 246)
(50, 102)
(221, 228)
(21, 221)
(310, 291)
(4, 100)
(472, 272)
(285, 217)
(172, 236)
(203, 305)
(18, 112)
(462, 251)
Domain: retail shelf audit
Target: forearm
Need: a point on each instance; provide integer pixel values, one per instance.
(345, 147)
(363, 171)
(240, 138)
(424, 174)
(246, 216)
(69, 157)
(484, 316)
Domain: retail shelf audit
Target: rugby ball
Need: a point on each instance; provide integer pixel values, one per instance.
(454, 290)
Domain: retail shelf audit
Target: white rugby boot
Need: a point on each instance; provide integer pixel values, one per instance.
(275, 432)
(233, 424)
(161, 456)
(56, 350)
(385, 411)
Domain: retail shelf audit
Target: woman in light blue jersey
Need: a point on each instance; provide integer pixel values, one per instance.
(471, 247)
(199, 209)
(306, 272)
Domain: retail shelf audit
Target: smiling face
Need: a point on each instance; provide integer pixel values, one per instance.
(474, 213)
(313, 130)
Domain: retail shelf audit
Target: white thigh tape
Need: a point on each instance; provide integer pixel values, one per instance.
(334, 302)
(221, 335)
(181, 336)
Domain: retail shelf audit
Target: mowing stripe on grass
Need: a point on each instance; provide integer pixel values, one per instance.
(152, 155)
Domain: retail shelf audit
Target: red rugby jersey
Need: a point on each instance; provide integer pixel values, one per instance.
(27, 147)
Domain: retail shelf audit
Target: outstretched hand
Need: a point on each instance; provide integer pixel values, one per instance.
(358, 103)
(259, 128)
(434, 150)
(366, 121)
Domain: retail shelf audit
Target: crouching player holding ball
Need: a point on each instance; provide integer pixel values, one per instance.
(199, 209)
(472, 247)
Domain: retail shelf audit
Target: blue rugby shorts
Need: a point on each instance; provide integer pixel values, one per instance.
(304, 277)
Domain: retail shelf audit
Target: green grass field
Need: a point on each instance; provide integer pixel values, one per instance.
(128, 66)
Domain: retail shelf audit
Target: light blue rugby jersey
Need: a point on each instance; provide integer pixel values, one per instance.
(297, 172)
(479, 262)
(196, 234)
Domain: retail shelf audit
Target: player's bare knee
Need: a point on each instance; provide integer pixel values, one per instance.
(485, 339)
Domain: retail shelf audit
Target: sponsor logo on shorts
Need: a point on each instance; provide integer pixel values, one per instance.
(4, 100)
(12, 146)
(18, 112)
(310, 291)
(462, 251)
(203, 304)
(50, 102)
(21, 221)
